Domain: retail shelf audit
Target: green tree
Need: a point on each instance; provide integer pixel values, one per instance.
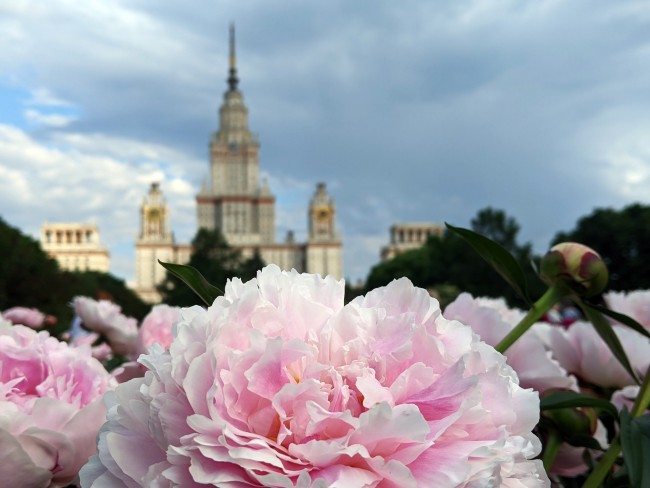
(447, 265)
(414, 264)
(29, 278)
(249, 268)
(213, 258)
(94, 283)
(622, 238)
(496, 225)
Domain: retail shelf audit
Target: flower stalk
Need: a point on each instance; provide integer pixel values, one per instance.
(553, 443)
(553, 295)
(604, 466)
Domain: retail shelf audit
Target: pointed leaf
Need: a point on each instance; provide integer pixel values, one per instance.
(635, 442)
(622, 318)
(195, 280)
(571, 399)
(606, 332)
(498, 257)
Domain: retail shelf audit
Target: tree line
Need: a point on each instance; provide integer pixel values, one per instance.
(447, 265)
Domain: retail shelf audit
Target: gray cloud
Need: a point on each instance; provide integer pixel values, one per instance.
(411, 112)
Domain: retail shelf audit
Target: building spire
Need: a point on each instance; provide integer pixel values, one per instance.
(232, 77)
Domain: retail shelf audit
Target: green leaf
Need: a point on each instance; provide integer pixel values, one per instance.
(572, 399)
(607, 334)
(635, 441)
(623, 319)
(498, 257)
(195, 280)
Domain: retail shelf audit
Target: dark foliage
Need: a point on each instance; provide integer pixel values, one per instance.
(29, 278)
(216, 261)
(622, 238)
(447, 265)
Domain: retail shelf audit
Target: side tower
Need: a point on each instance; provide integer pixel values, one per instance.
(155, 241)
(323, 250)
(234, 201)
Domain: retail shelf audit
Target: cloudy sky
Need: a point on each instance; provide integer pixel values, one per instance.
(410, 111)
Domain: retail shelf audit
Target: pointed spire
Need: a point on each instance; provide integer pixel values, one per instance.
(232, 78)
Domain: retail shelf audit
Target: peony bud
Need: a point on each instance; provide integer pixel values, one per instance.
(579, 421)
(575, 266)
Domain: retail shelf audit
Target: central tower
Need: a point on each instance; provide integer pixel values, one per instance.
(234, 201)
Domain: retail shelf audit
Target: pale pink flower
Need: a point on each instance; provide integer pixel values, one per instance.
(581, 351)
(625, 397)
(50, 408)
(491, 319)
(636, 304)
(278, 384)
(570, 460)
(101, 352)
(157, 327)
(29, 317)
(105, 318)
(536, 368)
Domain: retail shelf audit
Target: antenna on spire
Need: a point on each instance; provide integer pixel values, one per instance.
(232, 77)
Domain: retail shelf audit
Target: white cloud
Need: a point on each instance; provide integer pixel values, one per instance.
(57, 121)
(419, 114)
(44, 97)
(617, 140)
(49, 183)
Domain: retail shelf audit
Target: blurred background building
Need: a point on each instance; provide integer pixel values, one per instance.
(238, 204)
(404, 237)
(75, 246)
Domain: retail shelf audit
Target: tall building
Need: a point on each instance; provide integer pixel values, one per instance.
(239, 205)
(75, 246)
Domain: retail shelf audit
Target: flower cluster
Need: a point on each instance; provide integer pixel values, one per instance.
(50, 407)
(104, 321)
(279, 384)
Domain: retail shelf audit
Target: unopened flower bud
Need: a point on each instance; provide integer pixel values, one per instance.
(579, 421)
(575, 266)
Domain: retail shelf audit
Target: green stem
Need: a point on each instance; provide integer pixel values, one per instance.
(643, 398)
(540, 307)
(553, 443)
(605, 464)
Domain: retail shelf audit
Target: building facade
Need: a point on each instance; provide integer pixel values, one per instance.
(75, 246)
(235, 201)
(404, 237)
(155, 242)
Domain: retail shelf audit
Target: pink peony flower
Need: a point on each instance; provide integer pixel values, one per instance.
(492, 320)
(278, 384)
(29, 317)
(636, 304)
(157, 327)
(50, 408)
(536, 368)
(581, 351)
(101, 352)
(105, 318)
